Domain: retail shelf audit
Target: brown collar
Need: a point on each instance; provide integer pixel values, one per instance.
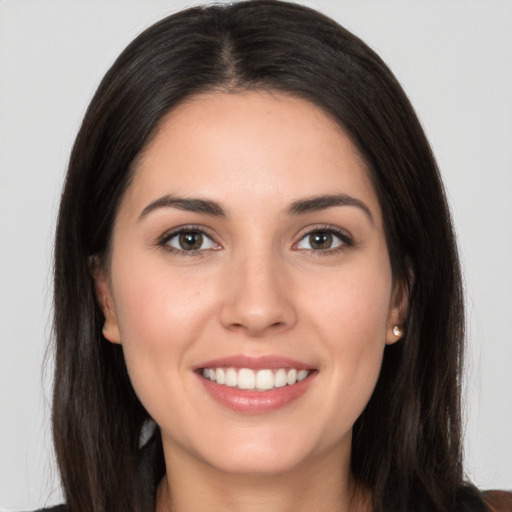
(498, 501)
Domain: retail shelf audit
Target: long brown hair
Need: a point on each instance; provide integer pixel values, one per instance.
(407, 442)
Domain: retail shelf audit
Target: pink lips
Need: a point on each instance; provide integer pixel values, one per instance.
(254, 363)
(253, 401)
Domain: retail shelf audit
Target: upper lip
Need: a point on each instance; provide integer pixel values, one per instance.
(254, 363)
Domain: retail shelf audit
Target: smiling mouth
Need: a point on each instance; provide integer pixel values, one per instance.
(255, 380)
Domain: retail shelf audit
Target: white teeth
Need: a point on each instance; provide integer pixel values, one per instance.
(280, 378)
(264, 380)
(261, 380)
(246, 379)
(231, 377)
(220, 376)
(301, 375)
(291, 378)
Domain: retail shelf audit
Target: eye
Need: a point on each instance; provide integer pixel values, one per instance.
(189, 240)
(323, 240)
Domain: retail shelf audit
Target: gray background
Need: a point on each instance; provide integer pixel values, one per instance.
(455, 62)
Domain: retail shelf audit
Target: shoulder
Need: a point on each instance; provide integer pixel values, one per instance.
(498, 501)
(471, 499)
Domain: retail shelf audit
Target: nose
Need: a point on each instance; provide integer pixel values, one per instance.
(259, 297)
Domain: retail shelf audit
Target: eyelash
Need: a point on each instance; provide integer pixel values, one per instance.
(346, 241)
(163, 241)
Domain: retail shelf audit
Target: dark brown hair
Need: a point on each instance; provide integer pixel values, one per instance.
(407, 442)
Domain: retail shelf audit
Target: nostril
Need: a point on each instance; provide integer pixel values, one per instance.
(256, 315)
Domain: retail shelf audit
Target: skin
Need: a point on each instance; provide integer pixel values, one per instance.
(255, 288)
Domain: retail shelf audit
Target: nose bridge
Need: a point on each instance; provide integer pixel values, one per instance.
(257, 298)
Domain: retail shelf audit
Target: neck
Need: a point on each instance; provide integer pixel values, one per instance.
(322, 484)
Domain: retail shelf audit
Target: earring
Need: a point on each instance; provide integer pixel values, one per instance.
(397, 331)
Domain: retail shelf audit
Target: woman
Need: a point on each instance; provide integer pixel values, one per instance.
(254, 250)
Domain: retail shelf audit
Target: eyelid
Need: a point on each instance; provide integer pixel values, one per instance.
(163, 240)
(345, 237)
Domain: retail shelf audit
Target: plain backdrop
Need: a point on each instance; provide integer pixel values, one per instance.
(454, 60)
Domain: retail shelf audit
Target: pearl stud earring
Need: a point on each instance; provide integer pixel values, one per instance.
(397, 331)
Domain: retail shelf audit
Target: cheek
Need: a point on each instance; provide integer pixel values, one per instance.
(351, 319)
(160, 314)
(155, 306)
(352, 308)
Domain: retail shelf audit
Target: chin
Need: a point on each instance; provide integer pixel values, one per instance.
(264, 463)
(259, 452)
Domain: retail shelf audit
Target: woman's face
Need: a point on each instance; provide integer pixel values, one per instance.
(249, 249)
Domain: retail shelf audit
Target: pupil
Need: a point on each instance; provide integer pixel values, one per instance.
(320, 240)
(191, 241)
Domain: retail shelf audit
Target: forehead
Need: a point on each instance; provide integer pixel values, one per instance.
(269, 147)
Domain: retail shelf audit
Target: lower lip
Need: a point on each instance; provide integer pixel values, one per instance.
(256, 402)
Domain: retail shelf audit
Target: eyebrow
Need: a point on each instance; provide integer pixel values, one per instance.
(299, 207)
(187, 204)
(317, 203)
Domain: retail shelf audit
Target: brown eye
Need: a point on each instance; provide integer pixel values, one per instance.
(189, 241)
(320, 241)
(323, 240)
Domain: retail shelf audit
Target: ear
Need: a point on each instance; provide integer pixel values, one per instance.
(397, 312)
(105, 299)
